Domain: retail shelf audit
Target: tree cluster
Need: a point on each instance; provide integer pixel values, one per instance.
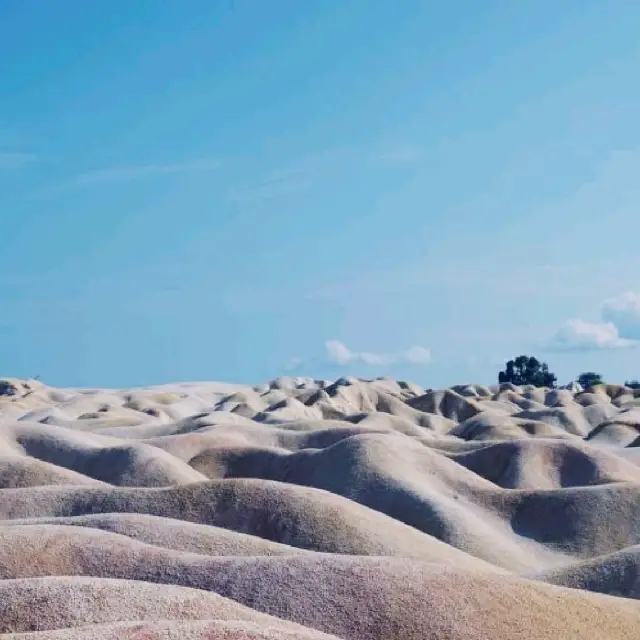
(527, 370)
(589, 379)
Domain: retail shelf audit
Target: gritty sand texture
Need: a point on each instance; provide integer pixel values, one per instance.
(308, 509)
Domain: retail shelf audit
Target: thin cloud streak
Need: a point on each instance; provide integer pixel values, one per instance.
(405, 278)
(16, 159)
(114, 175)
(274, 186)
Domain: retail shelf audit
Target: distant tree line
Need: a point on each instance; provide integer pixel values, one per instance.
(527, 370)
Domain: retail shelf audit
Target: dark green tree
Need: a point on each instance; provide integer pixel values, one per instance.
(7, 389)
(589, 379)
(525, 370)
(632, 384)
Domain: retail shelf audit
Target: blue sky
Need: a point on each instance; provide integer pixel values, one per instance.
(240, 189)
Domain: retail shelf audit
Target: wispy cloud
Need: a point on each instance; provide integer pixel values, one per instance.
(619, 327)
(405, 278)
(16, 159)
(320, 168)
(129, 173)
(293, 363)
(275, 185)
(402, 154)
(338, 353)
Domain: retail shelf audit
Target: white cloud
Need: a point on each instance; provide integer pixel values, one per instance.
(623, 311)
(418, 355)
(580, 335)
(339, 353)
(619, 327)
(293, 364)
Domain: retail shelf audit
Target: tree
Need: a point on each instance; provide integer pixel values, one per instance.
(589, 379)
(7, 388)
(527, 370)
(632, 384)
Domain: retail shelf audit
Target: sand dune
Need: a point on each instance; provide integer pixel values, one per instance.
(312, 509)
(615, 574)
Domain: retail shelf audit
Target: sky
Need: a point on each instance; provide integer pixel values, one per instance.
(236, 190)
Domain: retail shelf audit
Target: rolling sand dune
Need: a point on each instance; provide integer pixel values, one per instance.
(352, 509)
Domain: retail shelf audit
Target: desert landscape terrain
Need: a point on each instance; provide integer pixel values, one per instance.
(352, 509)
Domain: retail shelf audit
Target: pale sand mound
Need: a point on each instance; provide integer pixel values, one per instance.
(546, 464)
(359, 509)
(291, 515)
(616, 574)
(55, 603)
(178, 535)
(171, 630)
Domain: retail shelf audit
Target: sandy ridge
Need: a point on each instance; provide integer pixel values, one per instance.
(354, 508)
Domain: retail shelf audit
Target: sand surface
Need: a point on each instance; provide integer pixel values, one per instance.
(311, 509)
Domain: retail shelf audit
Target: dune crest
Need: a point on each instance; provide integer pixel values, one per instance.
(310, 509)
